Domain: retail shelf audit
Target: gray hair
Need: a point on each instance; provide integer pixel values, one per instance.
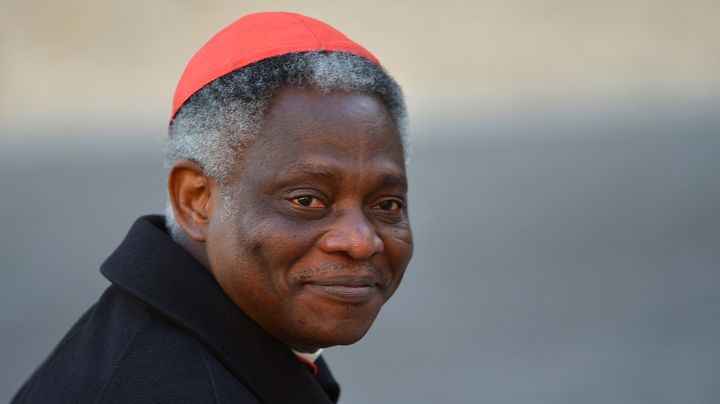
(215, 124)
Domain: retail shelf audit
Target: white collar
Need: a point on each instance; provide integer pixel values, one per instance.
(310, 357)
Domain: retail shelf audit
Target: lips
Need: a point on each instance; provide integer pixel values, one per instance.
(349, 288)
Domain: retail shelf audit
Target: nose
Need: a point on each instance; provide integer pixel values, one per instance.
(352, 234)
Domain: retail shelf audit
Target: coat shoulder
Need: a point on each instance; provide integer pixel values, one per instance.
(121, 351)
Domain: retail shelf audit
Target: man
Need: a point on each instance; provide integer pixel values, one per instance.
(286, 230)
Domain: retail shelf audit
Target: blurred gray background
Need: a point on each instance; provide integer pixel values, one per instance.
(565, 196)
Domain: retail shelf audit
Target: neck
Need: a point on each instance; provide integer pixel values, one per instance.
(195, 248)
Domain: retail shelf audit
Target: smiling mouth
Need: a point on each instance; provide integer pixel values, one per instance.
(346, 289)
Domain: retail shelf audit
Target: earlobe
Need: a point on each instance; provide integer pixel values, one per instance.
(190, 192)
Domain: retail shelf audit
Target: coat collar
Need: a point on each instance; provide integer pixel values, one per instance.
(163, 276)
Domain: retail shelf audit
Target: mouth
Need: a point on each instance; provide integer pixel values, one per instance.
(347, 289)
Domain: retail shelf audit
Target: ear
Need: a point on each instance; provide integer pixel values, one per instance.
(190, 192)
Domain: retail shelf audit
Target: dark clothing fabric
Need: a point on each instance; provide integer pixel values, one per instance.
(165, 332)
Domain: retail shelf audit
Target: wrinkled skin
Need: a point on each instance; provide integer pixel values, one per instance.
(312, 235)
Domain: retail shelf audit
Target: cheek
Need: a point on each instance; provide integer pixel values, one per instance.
(398, 247)
(275, 246)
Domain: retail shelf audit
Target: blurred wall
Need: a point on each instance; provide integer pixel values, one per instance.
(564, 187)
(84, 62)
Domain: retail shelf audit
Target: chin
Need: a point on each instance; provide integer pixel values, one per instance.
(344, 333)
(322, 322)
(347, 337)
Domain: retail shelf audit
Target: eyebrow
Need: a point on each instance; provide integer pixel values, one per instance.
(390, 178)
(314, 170)
(392, 181)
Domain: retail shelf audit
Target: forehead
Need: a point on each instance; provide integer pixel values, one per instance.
(304, 127)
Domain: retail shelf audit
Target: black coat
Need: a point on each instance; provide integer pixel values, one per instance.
(165, 332)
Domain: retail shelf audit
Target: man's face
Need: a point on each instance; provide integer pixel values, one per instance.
(312, 236)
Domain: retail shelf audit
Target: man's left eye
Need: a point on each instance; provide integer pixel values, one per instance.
(390, 205)
(308, 201)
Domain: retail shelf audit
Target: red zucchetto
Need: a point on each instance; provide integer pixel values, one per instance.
(255, 37)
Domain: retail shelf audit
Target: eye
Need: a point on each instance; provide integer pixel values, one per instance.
(308, 201)
(389, 205)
